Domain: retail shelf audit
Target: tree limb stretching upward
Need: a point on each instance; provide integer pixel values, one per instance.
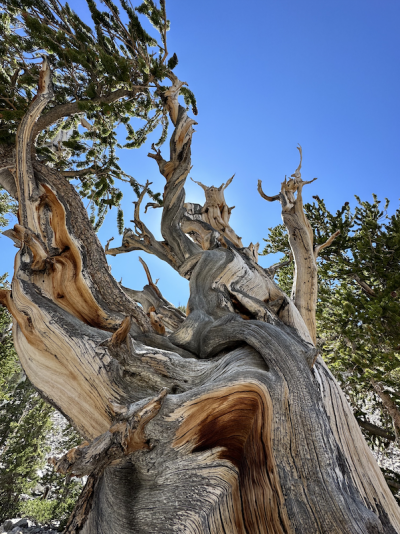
(301, 238)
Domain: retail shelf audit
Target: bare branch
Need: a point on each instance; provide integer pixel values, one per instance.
(266, 197)
(14, 236)
(171, 96)
(153, 205)
(271, 271)
(224, 186)
(123, 438)
(137, 220)
(297, 173)
(157, 156)
(375, 430)
(305, 283)
(142, 238)
(216, 212)
(81, 172)
(328, 242)
(204, 187)
(26, 185)
(108, 244)
(364, 286)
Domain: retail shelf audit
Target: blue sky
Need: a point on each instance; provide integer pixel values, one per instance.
(268, 75)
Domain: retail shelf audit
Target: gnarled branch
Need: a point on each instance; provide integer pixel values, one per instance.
(271, 271)
(141, 238)
(264, 196)
(72, 108)
(216, 212)
(305, 284)
(164, 317)
(124, 437)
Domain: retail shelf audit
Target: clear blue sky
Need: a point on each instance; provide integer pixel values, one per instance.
(268, 75)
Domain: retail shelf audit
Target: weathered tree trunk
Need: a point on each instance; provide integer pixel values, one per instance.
(225, 421)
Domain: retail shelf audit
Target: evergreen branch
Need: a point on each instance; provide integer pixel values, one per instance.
(81, 172)
(72, 108)
(365, 287)
(375, 430)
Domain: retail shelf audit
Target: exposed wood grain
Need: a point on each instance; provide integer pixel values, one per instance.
(234, 421)
(247, 436)
(121, 334)
(216, 212)
(363, 467)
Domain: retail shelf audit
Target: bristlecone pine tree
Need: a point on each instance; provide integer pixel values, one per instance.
(223, 421)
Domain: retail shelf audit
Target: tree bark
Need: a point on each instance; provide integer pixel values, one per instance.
(225, 421)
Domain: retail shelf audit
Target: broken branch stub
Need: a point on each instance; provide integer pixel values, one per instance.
(216, 212)
(163, 315)
(124, 437)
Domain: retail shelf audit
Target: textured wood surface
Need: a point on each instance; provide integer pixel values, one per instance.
(220, 421)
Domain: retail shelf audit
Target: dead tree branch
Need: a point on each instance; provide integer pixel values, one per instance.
(163, 315)
(364, 286)
(301, 239)
(216, 212)
(141, 238)
(328, 242)
(124, 437)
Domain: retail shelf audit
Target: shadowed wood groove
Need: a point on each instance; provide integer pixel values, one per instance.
(236, 422)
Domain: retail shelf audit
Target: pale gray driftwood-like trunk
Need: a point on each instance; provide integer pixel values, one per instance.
(221, 421)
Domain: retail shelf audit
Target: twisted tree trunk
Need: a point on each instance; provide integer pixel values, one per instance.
(225, 421)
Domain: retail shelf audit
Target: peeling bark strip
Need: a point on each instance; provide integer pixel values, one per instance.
(43, 220)
(247, 434)
(53, 295)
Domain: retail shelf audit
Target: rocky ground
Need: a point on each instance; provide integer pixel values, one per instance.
(22, 526)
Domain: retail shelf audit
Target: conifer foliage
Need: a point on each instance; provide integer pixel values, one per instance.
(107, 76)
